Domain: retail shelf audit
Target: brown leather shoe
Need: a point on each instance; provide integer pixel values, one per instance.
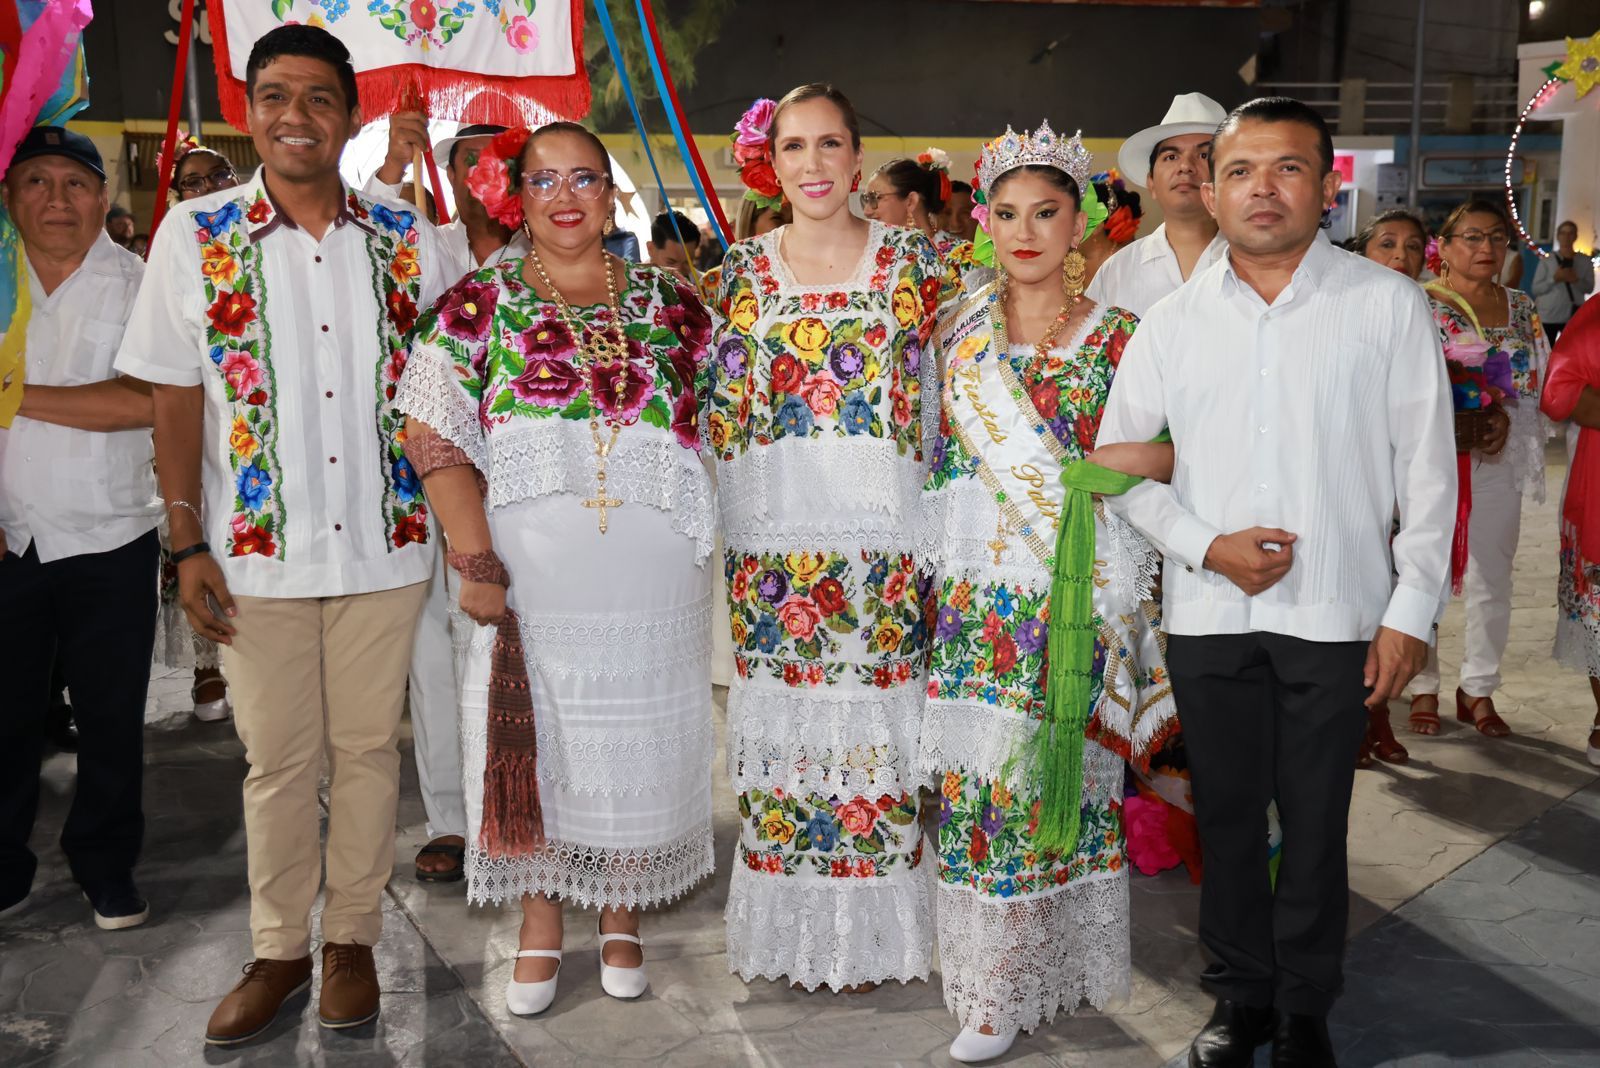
(250, 1007)
(349, 986)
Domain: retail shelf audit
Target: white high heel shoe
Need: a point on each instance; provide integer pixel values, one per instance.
(624, 983)
(972, 1045)
(530, 999)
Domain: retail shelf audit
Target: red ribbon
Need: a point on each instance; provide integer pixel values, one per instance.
(174, 107)
(1458, 544)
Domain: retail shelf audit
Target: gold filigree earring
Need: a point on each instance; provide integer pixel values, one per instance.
(1073, 270)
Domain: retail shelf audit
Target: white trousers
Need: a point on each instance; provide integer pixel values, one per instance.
(1491, 548)
(435, 721)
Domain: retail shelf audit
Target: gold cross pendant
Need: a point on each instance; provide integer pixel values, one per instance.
(602, 502)
(1001, 529)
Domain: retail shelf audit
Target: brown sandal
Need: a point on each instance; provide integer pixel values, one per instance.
(1425, 714)
(1380, 737)
(1491, 725)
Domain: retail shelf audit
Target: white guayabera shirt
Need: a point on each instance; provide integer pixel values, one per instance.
(1147, 270)
(75, 491)
(1315, 414)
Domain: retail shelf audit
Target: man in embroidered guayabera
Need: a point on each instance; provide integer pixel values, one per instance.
(1287, 607)
(1033, 895)
(78, 516)
(553, 414)
(821, 409)
(478, 241)
(275, 332)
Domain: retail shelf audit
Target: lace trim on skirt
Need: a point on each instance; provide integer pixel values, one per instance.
(834, 932)
(592, 877)
(1013, 963)
(824, 741)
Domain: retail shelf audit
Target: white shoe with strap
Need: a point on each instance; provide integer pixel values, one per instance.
(623, 983)
(530, 999)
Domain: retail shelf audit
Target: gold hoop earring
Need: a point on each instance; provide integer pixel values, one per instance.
(1073, 270)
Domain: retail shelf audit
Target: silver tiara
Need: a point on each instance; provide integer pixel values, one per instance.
(1041, 148)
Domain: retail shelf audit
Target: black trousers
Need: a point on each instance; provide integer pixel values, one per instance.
(1267, 716)
(95, 614)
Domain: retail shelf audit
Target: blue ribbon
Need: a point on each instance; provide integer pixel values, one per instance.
(677, 129)
(610, 31)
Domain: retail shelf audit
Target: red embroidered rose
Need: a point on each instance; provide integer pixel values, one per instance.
(866, 869)
(410, 528)
(621, 389)
(876, 334)
(840, 869)
(548, 381)
(800, 616)
(837, 301)
(786, 374)
(895, 587)
(1047, 398)
(1119, 341)
(686, 419)
(468, 309)
(402, 310)
(793, 675)
(231, 312)
(253, 540)
(857, 817)
(688, 319)
(773, 863)
(1087, 429)
(547, 337)
(814, 675)
(882, 678)
(257, 398)
(930, 292)
(884, 257)
(829, 595)
(978, 850)
(259, 212)
(885, 803)
(1005, 654)
(424, 15)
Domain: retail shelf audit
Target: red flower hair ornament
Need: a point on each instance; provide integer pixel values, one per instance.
(494, 178)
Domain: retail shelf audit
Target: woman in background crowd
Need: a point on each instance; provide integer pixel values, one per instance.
(1120, 228)
(907, 192)
(1397, 239)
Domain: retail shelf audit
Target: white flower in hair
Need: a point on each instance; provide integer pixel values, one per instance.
(1041, 148)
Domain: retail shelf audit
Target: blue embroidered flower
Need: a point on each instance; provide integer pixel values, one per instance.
(1003, 604)
(334, 9)
(216, 354)
(878, 573)
(856, 414)
(492, 6)
(1005, 887)
(823, 832)
(795, 417)
(254, 486)
(215, 222)
(405, 480)
(766, 635)
(394, 221)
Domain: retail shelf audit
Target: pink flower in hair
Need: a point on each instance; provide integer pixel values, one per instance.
(755, 125)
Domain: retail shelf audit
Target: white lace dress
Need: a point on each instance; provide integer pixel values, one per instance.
(1024, 932)
(616, 627)
(817, 420)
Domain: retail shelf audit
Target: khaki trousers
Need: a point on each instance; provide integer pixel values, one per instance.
(309, 675)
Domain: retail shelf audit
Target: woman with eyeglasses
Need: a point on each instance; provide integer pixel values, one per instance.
(198, 171)
(912, 192)
(554, 419)
(1473, 309)
(822, 408)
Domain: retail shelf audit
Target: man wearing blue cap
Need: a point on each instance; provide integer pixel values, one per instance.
(78, 514)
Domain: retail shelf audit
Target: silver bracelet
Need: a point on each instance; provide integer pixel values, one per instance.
(193, 510)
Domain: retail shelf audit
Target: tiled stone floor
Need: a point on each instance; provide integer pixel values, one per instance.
(1475, 920)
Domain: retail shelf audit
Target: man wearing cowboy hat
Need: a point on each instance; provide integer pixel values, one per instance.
(1171, 160)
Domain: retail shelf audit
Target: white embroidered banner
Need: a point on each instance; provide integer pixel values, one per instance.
(512, 61)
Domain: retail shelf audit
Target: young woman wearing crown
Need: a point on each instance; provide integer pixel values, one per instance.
(1046, 671)
(821, 363)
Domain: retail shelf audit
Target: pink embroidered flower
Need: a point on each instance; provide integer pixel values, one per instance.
(686, 420)
(621, 389)
(242, 372)
(895, 587)
(522, 35)
(547, 381)
(468, 309)
(547, 338)
(800, 616)
(857, 817)
(821, 393)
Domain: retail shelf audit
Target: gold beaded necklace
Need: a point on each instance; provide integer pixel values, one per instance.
(605, 348)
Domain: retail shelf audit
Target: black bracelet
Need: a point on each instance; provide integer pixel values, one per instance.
(194, 550)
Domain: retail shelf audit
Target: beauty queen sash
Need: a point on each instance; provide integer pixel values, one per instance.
(1020, 462)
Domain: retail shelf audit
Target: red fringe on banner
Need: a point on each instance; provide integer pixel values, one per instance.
(446, 93)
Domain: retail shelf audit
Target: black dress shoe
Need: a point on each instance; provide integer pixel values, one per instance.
(1229, 1039)
(1301, 1041)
